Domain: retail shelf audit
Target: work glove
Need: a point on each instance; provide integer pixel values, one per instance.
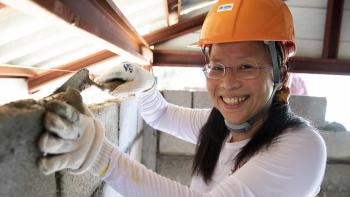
(136, 78)
(72, 140)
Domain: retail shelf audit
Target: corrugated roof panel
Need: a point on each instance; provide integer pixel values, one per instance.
(180, 43)
(308, 3)
(192, 8)
(70, 56)
(15, 25)
(31, 41)
(52, 49)
(145, 15)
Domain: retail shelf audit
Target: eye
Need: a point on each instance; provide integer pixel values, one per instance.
(246, 66)
(216, 67)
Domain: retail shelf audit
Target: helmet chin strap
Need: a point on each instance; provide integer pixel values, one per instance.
(245, 126)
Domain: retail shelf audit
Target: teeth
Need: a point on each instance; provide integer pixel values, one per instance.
(234, 100)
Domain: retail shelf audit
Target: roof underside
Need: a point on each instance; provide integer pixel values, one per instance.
(43, 40)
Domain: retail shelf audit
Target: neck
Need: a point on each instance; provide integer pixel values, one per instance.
(236, 137)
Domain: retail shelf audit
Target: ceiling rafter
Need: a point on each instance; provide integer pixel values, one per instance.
(296, 64)
(96, 18)
(2, 5)
(172, 11)
(179, 29)
(36, 82)
(332, 28)
(16, 71)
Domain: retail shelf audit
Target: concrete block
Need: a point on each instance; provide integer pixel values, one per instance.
(338, 145)
(78, 185)
(108, 114)
(201, 100)
(177, 168)
(128, 123)
(336, 181)
(309, 107)
(149, 147)
(181, 98)
(171, 145)
(136, 150)
(20, 127)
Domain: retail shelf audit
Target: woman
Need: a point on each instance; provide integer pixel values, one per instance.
(249, 144)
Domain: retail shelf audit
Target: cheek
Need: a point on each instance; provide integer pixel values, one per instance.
(211, 87)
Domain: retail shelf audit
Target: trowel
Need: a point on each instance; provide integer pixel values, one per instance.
(70, 91)
(81, 80)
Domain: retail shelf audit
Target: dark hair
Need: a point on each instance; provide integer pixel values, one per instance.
(214, 132)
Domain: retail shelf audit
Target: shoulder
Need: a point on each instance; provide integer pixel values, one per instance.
(304, 149)
(305, 137)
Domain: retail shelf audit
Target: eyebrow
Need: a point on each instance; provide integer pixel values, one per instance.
(239, 58)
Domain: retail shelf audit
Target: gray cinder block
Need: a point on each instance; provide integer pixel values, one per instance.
(201, 100)
(338, 145)
(128, 123)
(20, 127)
(336, 181)
(309, 107)
(171, 145)
(149, 147)
(177, 168)
(181, 98)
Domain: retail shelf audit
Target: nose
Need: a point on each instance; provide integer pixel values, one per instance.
(230, 80)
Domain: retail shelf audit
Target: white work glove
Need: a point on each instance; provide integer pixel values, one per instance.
(72, 141)
(137, 79)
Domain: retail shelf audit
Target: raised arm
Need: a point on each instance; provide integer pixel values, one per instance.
(181, 122)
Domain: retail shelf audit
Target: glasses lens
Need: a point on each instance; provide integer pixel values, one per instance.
(214, 70)
(247, 70)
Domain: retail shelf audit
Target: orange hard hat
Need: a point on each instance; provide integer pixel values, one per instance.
(249, 20)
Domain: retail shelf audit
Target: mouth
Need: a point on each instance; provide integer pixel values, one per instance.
(236, 100)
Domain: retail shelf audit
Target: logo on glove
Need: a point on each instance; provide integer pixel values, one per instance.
(128, 67)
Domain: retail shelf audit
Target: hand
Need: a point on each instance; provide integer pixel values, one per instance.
(72, 140)
(137, 79)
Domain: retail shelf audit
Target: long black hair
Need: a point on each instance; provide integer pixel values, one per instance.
(214, 133)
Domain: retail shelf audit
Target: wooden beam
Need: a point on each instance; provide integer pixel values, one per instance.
(296, 64)
(179, 29)
(95, 19)
(320, 66)
(178, 58)
(16, 71)
(2, 5)
(35, 83)
(172, 11)
(332, 28)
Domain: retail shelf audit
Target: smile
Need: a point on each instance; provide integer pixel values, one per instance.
(234, 100)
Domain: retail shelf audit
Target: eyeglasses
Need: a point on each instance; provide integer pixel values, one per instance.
(244, 70)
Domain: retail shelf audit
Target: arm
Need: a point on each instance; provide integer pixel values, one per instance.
(181, 122)
(293, 166)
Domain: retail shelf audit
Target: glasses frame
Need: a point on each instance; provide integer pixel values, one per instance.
(206, 73)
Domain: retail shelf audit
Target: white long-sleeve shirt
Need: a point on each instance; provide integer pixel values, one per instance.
(293, 166)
